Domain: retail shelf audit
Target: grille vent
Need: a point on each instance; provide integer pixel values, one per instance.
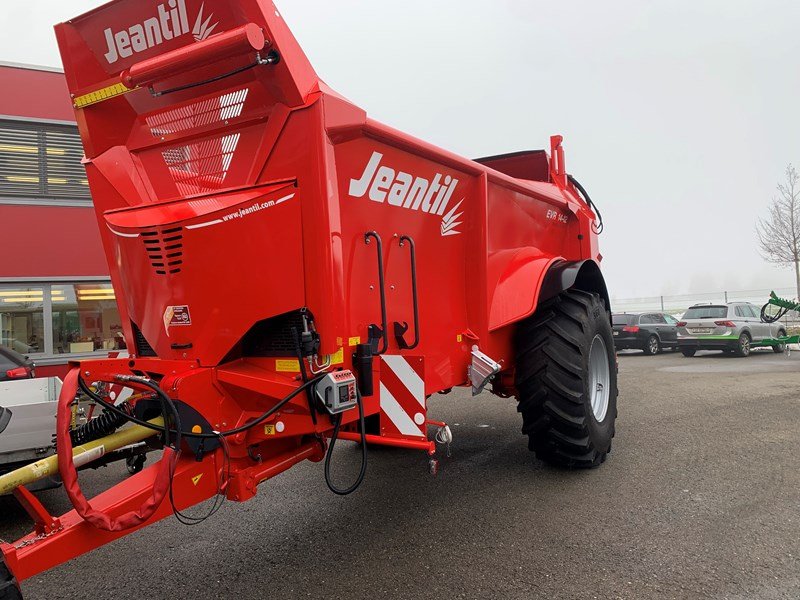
(164, 249)
(197, 114)
(201, 166)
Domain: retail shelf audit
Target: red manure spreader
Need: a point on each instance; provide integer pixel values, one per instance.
(292, 274)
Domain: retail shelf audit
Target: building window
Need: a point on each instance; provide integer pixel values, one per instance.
(49, 320)
(85, 319)
(22, 318)
(41, 161)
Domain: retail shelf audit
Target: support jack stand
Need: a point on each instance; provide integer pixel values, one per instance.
(443, 436)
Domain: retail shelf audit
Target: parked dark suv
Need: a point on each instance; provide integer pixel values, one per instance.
(649, 332)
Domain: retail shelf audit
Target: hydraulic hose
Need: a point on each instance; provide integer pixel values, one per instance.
(301, 360)
(124, 413)
(222, 434)
(768, 318)
(334, 436)
(167, 406)
(250, 424)
(598, 226)
(69, 473)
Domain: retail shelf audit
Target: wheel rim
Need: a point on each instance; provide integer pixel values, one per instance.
(653, 345)
(599, 378)
(744, 342)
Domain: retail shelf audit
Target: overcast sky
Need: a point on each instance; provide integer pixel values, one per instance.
(679, 116)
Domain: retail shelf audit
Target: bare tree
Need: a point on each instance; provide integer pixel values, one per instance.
(779, 233)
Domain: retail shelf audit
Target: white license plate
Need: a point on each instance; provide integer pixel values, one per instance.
(702, 330)
(616, 333)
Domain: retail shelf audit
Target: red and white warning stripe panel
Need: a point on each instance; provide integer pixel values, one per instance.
(402, 399)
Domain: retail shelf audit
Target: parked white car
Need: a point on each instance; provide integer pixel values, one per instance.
(728, 327)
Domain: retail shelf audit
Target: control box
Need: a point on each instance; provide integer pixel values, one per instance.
(337, 391)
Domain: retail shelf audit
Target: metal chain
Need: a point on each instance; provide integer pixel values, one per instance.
(38, 538)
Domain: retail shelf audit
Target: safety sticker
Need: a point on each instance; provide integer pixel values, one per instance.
(196, 479)
(88, 456)
(338, 358)
(176, 316)
(269, 429)
(287, 365)
(354, 341)
(39, 469)
(106, 93)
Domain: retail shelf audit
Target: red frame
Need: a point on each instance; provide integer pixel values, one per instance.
(265, 200)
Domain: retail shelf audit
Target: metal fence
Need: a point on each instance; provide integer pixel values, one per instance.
(677, 305)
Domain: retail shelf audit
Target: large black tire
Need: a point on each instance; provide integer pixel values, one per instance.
(9, 589)
(743, 345)
(553, 382)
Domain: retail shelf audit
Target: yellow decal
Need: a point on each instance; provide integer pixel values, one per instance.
(287, 365)
(269, 429)
(112, 91)
(196, 479)
(459, 337)
(338, 358)
(354, 341)
(339, 341)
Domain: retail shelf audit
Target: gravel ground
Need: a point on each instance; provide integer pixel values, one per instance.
(697, 500)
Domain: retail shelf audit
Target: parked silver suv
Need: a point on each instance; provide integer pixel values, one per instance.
(728, 327)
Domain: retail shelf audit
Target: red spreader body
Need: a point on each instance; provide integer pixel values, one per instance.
(290, 272)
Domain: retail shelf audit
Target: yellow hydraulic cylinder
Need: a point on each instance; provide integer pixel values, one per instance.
(81, 455)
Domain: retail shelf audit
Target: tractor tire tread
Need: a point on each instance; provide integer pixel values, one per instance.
(551, 350)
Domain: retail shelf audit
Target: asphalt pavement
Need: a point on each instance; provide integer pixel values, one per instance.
(698, 499)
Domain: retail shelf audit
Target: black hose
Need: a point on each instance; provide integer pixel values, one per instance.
(272, 58)
(95, 398)
(767, 318)
(598, 225)
(222, 434)
(167, 406)
(363, 471)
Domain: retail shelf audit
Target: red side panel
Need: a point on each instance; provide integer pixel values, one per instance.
(215, 124)
(214, 266)
(427, 202)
